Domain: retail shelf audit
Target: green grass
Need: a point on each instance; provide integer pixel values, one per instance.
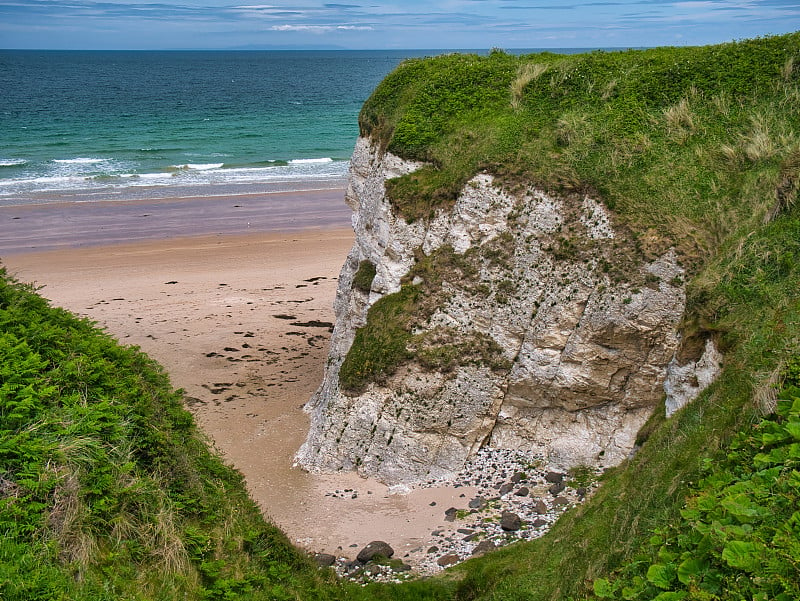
(700, 131)
(362, 280)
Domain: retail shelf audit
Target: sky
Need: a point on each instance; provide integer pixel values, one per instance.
(409, 24)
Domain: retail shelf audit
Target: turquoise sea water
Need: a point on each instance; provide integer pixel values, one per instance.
(121, 125)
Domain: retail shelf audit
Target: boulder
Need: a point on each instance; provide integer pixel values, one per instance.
(324, 560)
(510, 522)
(554, 477)
(477, 503)
(483, 547)
(448, 560)
(374, 549)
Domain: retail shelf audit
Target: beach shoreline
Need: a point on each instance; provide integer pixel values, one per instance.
(29, 228)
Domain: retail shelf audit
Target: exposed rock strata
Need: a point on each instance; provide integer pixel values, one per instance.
(583, 326)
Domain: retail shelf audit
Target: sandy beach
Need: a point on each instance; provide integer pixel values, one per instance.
(240, 319)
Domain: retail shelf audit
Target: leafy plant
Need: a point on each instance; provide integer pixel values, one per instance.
(739, 534)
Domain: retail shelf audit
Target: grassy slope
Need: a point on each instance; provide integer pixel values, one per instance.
(695, 148)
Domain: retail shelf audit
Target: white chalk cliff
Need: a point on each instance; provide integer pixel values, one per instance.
(582, 329)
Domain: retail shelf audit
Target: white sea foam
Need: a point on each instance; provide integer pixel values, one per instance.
(80, 161)
(200, 166)
(121, 174)
(309, 161)
(12, 162)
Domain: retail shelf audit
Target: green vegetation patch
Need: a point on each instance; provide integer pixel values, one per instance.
(739, 534)
(362, 280)
(388, 341)
(381, 345)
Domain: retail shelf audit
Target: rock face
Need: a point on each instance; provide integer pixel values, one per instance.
(575, 329)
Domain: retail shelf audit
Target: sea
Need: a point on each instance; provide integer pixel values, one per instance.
(98, 125)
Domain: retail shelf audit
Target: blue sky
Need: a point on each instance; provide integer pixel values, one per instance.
(144, 24)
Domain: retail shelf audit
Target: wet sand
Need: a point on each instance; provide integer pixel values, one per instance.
(47, 226)
(241, 321)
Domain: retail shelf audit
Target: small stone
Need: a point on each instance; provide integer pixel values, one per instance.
(448, 560)
(554, 477)
(560, 501)
(465, 531)
(483, 547)
(556, 488)
(477, 503)
(523, 492)
(510, 522)
(403, 567)
(539, 522)
(432, 550)
(581, 492)
(517, 477)
(324, 560)
(540, 507)
(374, 549)
(506, 488)
(450, 514)
(373, 570)
(352, 567)
(471, 537)
(432, 504)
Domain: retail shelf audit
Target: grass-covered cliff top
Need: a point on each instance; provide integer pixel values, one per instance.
(686, 144)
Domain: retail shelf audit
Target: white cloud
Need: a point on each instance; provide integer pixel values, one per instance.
(321, 28)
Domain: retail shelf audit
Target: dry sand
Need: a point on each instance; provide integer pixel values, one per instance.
(240, 323)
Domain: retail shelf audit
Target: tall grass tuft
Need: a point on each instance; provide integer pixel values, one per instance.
(525, 74)
(680, 120)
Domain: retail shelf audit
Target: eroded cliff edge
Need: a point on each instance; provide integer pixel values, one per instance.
(529, 321)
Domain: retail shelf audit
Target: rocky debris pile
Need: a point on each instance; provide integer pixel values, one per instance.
(518, 499)
(373, 563)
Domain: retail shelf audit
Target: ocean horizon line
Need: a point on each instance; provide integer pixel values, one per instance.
(519, 50)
